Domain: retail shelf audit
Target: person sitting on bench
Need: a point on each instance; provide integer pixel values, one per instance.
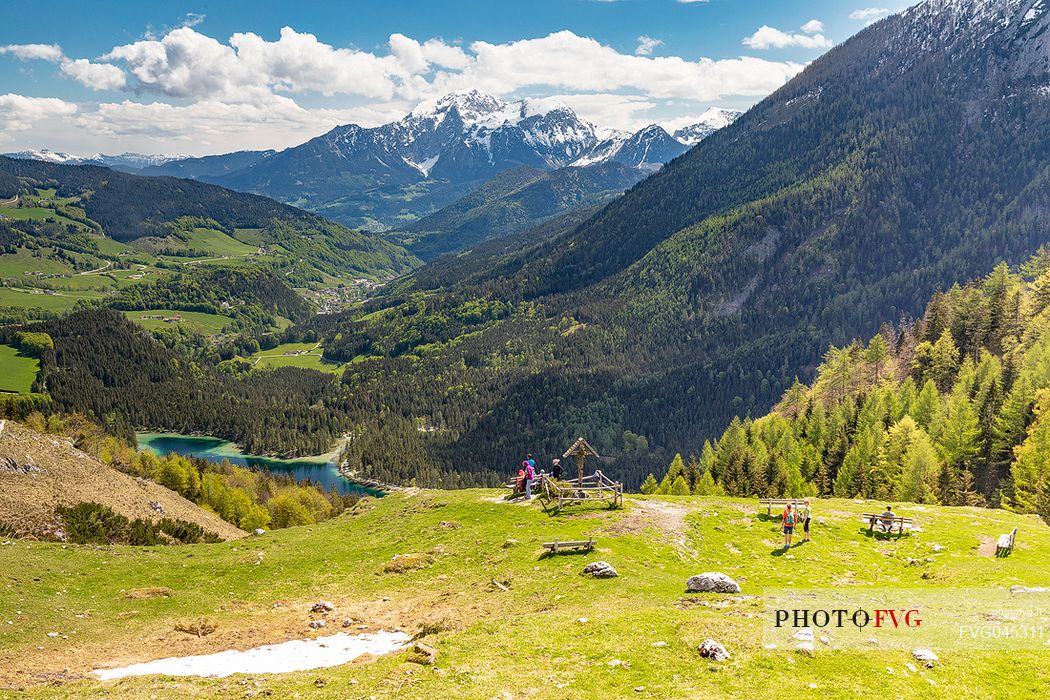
(887, 519)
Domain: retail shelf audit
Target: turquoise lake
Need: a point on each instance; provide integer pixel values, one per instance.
(321, 469)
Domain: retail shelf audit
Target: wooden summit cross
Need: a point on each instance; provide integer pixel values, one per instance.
(581, 448)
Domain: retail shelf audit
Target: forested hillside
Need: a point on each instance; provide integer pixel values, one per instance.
(105, 366)
(511, 202)
(129, 208)
(951, 409)
(840, 203)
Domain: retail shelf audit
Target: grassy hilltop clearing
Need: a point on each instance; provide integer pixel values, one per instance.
(641, 631)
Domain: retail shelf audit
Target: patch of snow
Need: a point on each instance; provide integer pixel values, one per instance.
(295, 655)
(426, 166)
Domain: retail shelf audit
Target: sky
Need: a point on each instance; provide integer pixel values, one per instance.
(216, 76)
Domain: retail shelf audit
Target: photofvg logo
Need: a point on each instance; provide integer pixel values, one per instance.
(835, 618)
(840, 617)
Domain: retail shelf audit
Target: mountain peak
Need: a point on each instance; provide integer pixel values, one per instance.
(471, 105)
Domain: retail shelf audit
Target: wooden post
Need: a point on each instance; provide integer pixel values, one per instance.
(581, 454)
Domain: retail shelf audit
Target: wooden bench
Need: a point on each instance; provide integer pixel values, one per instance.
(887, 522)
(769, 503)
(1005, 545)
(555, 546)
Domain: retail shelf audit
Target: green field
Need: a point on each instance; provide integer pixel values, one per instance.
(35, 213)
(552, 634)
(217, 243)
(276, 357)
(15, 265)
(208, 324)
(60, 301)
(17, 371)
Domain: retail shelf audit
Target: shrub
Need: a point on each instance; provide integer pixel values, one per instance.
(180, 530)
(92, 523)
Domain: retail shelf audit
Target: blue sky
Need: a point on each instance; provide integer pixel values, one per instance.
(200, 77)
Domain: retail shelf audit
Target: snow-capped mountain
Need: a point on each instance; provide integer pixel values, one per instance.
(444, 148)
(709, 122)
(46, 155)
(130, 162)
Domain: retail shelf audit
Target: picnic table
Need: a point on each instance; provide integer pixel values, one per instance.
(887, 522)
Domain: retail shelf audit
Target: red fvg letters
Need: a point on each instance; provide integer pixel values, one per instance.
(882, 615)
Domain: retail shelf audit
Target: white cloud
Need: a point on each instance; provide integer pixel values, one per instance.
(27, 52)
(192, 19)
(767, 37)
(646, 44)
(814, 26)
(97, 76)
(213, 126)
(566, 61)
(249, 91)
(869, 14)
(19, 113)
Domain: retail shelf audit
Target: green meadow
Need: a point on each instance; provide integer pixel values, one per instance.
(17, 371)
(466, 572)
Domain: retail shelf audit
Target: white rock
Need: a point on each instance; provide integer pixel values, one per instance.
(600, 569)
(710, 649)
(712, 581)
(911, 667)
(259, 531)
(805, 648)
(926, 656)
(583, 620)
(318, 624)
(659, 645)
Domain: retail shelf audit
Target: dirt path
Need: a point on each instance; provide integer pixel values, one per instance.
(668, 518)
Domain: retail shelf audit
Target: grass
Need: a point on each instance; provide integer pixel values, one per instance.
(62, 301)
(217, 243)
(15, 265)
(275, 357)
(208, 324)
(522, 642)
(17, 371)
(35, 214)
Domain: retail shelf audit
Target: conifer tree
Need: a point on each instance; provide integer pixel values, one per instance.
(679, 487)
(649, 486)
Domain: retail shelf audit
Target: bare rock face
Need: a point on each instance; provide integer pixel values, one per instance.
(710, 649)
(712, 582)
(600, 569)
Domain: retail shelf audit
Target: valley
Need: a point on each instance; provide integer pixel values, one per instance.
(264, 408)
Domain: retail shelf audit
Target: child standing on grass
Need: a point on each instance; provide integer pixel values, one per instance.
(804, 515)
(788, 519)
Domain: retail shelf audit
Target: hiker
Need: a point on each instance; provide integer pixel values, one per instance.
(556, 468)
(519, 483)
(887, 519)
(529, 465)
(788, 519)
(805, 513)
